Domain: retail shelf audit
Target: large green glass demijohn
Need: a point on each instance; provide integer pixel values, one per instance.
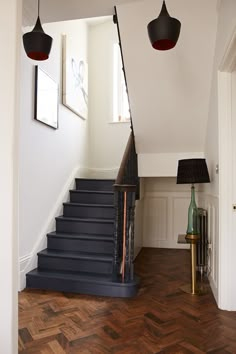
(193, 224)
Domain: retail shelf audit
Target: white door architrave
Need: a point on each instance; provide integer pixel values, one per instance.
(227, 180)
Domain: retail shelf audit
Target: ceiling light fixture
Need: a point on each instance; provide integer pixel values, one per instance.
(37, 43)
(164, 30)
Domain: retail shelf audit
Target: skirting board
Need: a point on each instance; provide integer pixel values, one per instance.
(213, 288)
(171, 244)
(23, 262)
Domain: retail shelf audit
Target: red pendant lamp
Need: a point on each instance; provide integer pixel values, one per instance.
(37, 43)
(164, 30)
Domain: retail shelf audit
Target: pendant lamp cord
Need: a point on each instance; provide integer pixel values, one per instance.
(38, 7)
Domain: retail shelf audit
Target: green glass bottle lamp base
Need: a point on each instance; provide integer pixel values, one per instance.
(193, 224)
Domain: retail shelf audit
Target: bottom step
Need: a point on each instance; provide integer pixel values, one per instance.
(82, 283)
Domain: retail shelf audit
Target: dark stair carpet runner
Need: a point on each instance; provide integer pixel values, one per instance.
(79, 254)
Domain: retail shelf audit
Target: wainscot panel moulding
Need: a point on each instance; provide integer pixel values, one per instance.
(164, 217)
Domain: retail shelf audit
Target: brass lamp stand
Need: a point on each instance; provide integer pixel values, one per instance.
(192, 239)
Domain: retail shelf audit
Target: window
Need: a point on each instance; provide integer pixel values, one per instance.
(121, 111)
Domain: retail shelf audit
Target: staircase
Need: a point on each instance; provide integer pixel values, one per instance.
(79, 254)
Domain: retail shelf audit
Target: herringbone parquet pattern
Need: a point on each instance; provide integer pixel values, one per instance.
(161, 319)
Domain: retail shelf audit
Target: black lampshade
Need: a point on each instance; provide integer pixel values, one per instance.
(37, 43)
(164, 30)
(192, 171)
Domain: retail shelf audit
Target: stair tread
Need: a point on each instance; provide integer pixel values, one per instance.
(76, 255)
(78, 276)
(72, 218)
(91, 191)
(89, 205)
(81, 236)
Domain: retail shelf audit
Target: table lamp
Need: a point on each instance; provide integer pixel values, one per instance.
(191, 171)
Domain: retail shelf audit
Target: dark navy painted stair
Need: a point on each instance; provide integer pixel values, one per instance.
(79, 254)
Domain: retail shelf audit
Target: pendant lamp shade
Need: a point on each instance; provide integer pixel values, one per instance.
(164, 30)
(37, 43)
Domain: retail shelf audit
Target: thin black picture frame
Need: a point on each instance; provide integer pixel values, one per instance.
(46, 99)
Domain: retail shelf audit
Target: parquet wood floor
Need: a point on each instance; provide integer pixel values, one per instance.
(161, 319)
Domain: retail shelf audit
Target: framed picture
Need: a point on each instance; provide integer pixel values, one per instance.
(75, 79)
(46, 99)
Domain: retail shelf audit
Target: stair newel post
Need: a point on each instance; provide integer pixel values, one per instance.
(124, 237)
(116, 261)
(127, 239)
(132, 210)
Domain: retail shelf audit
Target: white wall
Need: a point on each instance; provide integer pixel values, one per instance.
(49, 159)
(107, 140)
(10, 20)
(224, 272)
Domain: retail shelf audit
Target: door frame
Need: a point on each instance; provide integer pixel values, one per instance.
(227, 256)
(11, 23)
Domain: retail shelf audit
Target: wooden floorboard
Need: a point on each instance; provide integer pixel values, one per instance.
(161, 319)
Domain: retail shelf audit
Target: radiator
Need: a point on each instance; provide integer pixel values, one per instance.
(202, 245)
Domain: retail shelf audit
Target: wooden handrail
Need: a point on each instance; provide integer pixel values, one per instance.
(124, 161)
(116, 21)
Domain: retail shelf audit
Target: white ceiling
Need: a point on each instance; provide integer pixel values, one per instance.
(62, 10)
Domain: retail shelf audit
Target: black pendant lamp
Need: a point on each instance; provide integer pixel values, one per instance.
(164, 30)
(37, 43)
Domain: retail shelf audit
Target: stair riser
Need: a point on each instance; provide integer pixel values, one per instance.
(84, 227)
(69, 244)
(74, 265)
(91, 198)
(80, 287)
(94, 185)
(88, 212)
